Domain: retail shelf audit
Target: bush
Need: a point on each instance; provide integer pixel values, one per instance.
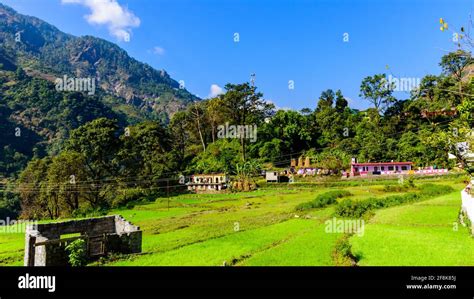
(342, 253)
(350, 208)
(77, 253)
(323, 200)
(357, 209)
(435, 190)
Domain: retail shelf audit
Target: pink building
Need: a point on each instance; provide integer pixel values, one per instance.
(380, 168)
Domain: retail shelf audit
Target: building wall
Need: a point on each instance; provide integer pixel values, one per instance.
(383, 169)
(108, 234)
(271, 176)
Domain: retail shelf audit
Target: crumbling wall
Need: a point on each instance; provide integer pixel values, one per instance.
(44, 246)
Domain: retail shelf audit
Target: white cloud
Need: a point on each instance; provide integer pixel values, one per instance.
(159, 51)
(118, 19)
(215, 91)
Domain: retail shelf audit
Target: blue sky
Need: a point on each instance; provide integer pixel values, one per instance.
(280, 40)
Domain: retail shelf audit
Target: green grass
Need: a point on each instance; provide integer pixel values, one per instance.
(230, 248)
(421, 234)
(11, 249)
(201, 229)
(311, 248)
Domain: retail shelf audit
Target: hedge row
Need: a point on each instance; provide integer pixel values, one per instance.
(357, 209)
(323, 200)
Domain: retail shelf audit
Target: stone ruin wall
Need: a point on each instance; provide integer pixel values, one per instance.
(43, 246)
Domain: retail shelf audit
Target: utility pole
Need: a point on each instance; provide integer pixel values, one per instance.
(242, 138)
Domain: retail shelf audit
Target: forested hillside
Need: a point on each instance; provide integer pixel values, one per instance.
(44, 51)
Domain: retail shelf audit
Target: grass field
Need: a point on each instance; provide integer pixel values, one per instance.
(263, 228)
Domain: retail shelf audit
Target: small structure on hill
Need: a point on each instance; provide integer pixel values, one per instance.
(275, 176)
(272, 176)
(45, 244)
(302, 162)
(443, 112)
(208, 182)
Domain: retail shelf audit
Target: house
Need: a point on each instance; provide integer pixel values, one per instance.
(207, 182)
(379, 168)
(443, 112)
(272, 176)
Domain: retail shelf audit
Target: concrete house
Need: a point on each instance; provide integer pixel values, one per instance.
(208, 182)
(272, 176)
(380, 168)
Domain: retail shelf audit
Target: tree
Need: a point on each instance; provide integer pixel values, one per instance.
(66, 180)
(331, 117)
(20, 74)
(378, 91)
(291, 128)
(244, 106)
(455, 63)
(215, 115)
(334, 161)
(144, 154)
(180, 140)
(341, 102)
(98, 143)
(326, 100)
(30, 184)
(221, 156)
(197, 117)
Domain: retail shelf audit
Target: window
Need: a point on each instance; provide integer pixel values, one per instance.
(404, 168)
(390, 168)
(382, 168)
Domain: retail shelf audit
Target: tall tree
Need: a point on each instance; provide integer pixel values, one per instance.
(98, 143)
(244, 106)
(378, 91)
(455, 63)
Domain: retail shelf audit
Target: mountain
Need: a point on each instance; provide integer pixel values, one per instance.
(44, 51)
(36, 116)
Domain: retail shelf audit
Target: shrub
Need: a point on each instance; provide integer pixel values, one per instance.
(350, 208)
(342, 252)
(435, 190)
(357, 209)
(77, 253)
(323, 200)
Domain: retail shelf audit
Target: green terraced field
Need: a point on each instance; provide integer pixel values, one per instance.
(262, 228)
